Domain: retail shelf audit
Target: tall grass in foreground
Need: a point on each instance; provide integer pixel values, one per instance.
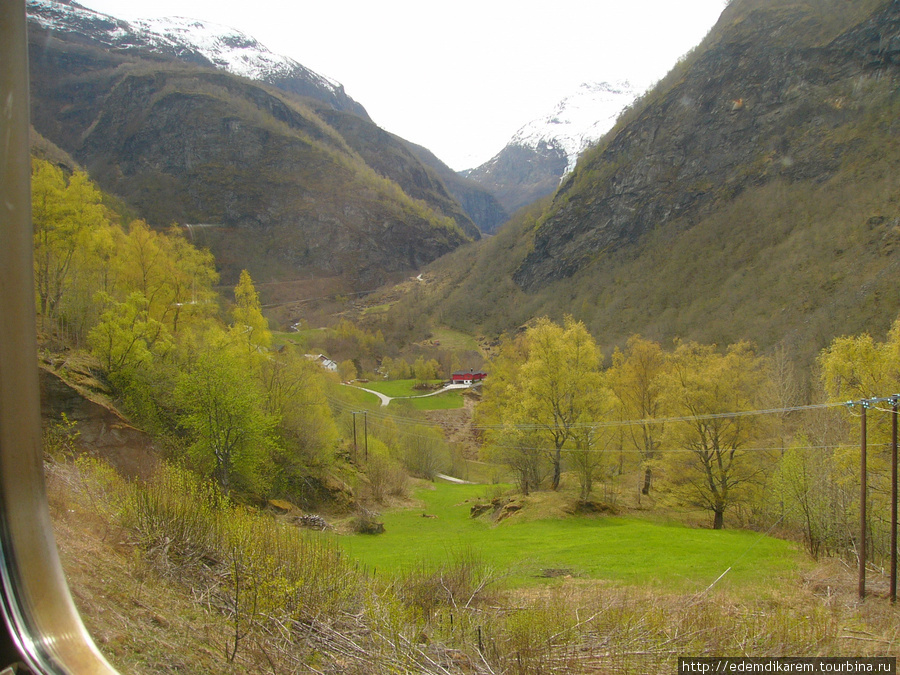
(294, 603)
(270, 570)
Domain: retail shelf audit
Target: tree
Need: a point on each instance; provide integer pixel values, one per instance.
(704, 388)
(861, 367)
(426, 370)
(636, 380)
(560, 381)
(507, 442)
(126, 337)
(294, 396)
(556, 387)
(347, 370)
(295, 400)
(63, 211)
(395, 369)
(814, 498)
(250, 326)
(588, 456)
(224, 410)
(176, 278)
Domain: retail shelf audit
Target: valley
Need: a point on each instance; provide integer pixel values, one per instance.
(255, 308)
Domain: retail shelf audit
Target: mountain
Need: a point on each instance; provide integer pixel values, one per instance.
(189, 40)
(480, 204)
(755, 108)
(395, 158)
(287, 186)
(752, 194)
(540, 153)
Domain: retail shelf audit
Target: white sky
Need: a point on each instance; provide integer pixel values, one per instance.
(459, 78)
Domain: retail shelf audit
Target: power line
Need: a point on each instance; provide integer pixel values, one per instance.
(400, 419)
(668, 420)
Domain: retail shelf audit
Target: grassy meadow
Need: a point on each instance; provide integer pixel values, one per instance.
(530, 549)
(405, 390)
(433, 595)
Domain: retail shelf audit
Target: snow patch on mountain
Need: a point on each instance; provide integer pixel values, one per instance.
(578, 120)
(226, 48)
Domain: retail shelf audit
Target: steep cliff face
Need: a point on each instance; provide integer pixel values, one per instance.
(757, 105)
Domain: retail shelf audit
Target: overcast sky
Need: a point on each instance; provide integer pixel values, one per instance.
(459, 78)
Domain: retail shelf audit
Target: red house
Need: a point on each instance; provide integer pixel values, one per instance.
(467, 376)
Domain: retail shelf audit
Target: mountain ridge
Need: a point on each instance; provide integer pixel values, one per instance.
(193, 41)
(729, 125)
(280, 191)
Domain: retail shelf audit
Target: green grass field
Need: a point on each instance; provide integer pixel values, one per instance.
(358, 397)
(401, 389)
(621, 550)
(397, 388)
(281, 337)
(446, 401)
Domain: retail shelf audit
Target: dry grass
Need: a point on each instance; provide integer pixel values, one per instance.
(155, 613)
(142, 621)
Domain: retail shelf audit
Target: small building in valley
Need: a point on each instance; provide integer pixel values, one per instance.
(467, 376)
(323, 361)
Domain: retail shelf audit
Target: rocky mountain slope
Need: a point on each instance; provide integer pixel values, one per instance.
(288, 186)
(754, 108)
(751, 195)
(540, 153)
(479, 203)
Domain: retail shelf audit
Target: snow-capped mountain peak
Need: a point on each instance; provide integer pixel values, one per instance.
(197, 41)
(225, 47)
(578, 120)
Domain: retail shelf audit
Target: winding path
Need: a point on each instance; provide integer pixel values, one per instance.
(387, 399)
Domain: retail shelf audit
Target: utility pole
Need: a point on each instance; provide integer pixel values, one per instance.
(365, 414)
(366, 431)
(355, 452)
(862, 501)
(895, 400)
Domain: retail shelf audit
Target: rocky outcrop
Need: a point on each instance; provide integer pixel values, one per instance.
(101, 431)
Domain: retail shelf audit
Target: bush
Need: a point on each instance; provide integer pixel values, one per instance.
(262, 569)
(386, 477)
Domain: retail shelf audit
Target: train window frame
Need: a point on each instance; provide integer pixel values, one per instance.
(42, 631)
